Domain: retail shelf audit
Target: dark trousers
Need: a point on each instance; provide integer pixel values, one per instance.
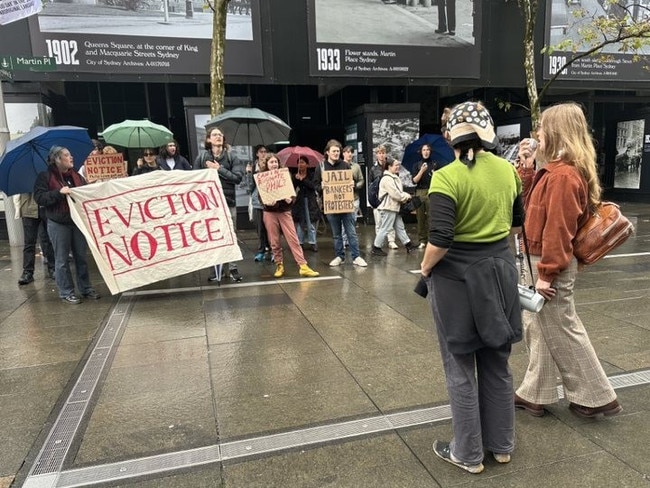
(447, 15)
(34, 229)
(263, 240)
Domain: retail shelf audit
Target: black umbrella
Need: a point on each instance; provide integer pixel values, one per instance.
(250, 127)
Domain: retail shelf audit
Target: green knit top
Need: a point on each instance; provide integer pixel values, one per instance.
(483, 194)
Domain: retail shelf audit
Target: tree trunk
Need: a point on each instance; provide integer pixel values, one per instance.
(217, 84)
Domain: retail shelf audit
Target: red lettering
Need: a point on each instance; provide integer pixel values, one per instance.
(150, 242)
(100, 222)
(146, 210)
(126, 257)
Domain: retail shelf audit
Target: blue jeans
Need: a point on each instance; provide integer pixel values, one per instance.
(66, 239)
(390, 220)
(311, 230)
(346, 221)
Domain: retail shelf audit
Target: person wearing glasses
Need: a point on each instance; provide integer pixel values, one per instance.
(147, 162)
(231, 170)
(169, 157)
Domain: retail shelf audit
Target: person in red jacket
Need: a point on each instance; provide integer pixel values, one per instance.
(564, 191)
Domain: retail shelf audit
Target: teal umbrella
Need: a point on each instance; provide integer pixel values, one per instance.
(250, 127)
(137, 133)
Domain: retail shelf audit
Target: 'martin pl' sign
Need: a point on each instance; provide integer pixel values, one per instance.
(27, 63)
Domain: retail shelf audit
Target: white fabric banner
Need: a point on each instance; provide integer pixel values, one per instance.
(12, 10)
(154, 226)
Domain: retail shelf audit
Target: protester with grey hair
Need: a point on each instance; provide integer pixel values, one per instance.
(50, 191)
(471, 279)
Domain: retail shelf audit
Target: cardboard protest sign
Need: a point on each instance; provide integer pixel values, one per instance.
(338, 191)
(274, 185)
(150, 227)
(102, 167)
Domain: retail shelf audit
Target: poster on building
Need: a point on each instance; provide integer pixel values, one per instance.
(576, 20)
(391, 39)
(509, 136)
(142, 37)
(155, 226)
(102, 167)
(394, 134)
(13, 10)
(338, 191)
(629, 154)
(274, 185)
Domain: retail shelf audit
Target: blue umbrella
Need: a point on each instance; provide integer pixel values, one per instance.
(26, 156)
(441, 152)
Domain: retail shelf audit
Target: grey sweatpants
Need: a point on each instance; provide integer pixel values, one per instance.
(480, 391)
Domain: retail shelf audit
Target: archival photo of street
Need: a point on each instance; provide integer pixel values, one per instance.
(446, 23)
(395, 135)
(629, 154)
(567, 18)
(509, 136)
(192, 19)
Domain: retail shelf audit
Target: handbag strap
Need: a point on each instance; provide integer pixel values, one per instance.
(530, 266)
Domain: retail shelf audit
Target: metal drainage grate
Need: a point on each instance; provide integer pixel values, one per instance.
(53, 452)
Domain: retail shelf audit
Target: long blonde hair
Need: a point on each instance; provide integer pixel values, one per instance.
(567, 138)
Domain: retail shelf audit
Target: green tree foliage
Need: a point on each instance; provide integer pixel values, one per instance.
(619, 26)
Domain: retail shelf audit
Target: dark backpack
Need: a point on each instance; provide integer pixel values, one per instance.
(373, 193)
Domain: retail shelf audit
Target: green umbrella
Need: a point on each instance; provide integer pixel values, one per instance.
(137, 133)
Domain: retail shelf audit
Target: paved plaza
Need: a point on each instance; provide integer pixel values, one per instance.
(327, 382)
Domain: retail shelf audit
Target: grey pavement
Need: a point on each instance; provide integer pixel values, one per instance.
(328, 382)
(97, 19)
(397, 24)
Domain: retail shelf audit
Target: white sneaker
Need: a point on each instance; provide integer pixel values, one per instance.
(337, 261)
(359, 261)
(422, 245)
(392, 245)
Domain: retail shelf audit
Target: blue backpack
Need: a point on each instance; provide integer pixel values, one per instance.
(373, 193)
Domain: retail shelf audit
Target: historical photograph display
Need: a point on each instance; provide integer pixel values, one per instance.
(509, 136)
(145, 37)
(387, 38)
(567, 19)
(629, 154)
(395, 134)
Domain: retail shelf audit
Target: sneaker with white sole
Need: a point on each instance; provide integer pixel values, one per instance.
(501, 457)
(337, 261)
(359, 261)
(392, 245)
(443, 451)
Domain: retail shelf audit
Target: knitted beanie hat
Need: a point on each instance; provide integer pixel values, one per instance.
(469, 120)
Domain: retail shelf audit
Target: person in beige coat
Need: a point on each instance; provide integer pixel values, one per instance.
(392, 196)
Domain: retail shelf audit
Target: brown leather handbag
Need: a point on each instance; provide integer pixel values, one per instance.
(605, 230)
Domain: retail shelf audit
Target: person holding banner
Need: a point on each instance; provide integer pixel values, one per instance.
(277, 218)
(231, 172)
(339, 221)
(50, 191)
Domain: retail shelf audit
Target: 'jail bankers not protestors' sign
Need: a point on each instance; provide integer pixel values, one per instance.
(150, 227)
(338, 191)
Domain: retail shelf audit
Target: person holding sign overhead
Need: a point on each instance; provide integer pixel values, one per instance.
(277, 214)
(336, 184)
